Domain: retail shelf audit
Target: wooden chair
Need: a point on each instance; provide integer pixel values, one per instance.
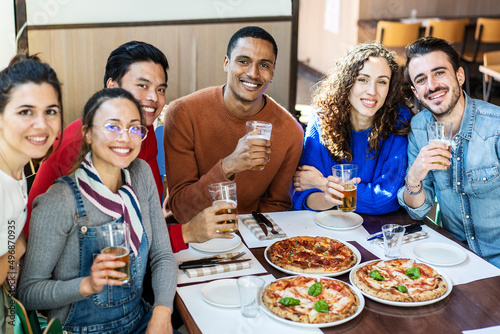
(490, 70)
(20, 313)
(397, 35)
(487, 31)
(450, 30)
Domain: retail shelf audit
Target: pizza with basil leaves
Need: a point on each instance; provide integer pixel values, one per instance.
(310, 300)
(312, 255)
(400, 280)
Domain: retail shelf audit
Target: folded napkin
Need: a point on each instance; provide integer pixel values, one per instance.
(406, 239)
(218, 268)
(252, 225)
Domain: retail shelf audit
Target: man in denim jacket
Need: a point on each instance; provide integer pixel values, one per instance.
(467, 180)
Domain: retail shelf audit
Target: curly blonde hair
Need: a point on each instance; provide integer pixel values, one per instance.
(332, 101)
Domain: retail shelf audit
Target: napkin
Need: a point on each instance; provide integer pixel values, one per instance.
(252, 225)
(406, 239)
(218, 268)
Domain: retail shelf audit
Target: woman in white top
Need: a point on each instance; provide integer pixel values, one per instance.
(30, 118)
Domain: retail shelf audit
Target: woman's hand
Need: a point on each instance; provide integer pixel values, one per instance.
(333, 193)
(205, 225)
(102, 268)
(309, 177)
(160, 322)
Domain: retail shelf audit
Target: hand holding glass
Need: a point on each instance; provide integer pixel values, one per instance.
(224, 192)
(114, 239)
(259, 130)
(347, 174)
(440, 132)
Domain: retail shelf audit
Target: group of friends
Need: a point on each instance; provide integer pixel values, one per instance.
(90, 175)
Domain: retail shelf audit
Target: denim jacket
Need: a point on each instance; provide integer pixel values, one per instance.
(469, 191)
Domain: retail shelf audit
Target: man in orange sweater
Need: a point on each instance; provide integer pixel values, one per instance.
(205, 135)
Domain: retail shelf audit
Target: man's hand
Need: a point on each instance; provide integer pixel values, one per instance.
(433, 156)
(308, 177)
(248, 153)
(205, 225)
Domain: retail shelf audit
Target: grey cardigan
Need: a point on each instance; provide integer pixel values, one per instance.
(50, 275)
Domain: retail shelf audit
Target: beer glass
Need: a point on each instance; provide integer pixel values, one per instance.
(347, 173)
(114, 239)
(259, 130)
(224, 192)
(441, 132)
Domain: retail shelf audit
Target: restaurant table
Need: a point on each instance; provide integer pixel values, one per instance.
(470, 305)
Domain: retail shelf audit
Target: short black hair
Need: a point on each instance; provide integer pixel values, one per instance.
(254, 32)
(429, 44)
(122, 57)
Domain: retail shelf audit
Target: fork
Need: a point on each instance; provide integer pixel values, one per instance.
(237, 256)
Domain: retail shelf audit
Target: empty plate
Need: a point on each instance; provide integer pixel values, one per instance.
(218, 245)
(439, 254)
(221, 293)
(338, 220)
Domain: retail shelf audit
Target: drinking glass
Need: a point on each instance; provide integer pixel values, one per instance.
(347, 173)
(224, 192)
(114, 239)
(259, 130)
(249, 288)
(441, 132)
(393, 239)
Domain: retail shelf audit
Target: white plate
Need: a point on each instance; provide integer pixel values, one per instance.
(402, 304)
(439, 254)
(320, 325)
(351, 247)
(218, 245)
(338, 220)
(221, 293)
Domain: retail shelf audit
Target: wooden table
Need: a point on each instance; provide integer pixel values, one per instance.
(469, 306)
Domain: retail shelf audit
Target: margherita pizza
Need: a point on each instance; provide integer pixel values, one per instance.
(310, 300)
(400, 280)
(311, 255)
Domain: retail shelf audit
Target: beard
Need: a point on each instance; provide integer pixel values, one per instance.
(455, 96)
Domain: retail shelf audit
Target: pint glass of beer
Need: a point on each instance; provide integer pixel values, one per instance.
(441, 132)
(114, 239)
(224, 192)
(259, 130)
(347, 173)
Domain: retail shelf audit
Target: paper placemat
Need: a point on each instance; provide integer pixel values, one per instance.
(215, 320)
(217, 269)
(256, 230)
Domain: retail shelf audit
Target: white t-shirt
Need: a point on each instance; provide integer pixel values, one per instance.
(13, 200)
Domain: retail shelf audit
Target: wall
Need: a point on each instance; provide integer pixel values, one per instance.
(195, 54)
(319, 48)
(7, 32)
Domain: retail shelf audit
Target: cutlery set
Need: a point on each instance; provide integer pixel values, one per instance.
(264, 223)
(211, 261)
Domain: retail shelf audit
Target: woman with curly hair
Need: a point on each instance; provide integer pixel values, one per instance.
(360, 119)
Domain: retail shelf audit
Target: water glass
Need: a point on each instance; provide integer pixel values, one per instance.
(249, 288)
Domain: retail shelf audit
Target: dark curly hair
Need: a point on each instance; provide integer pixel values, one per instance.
(332, 101)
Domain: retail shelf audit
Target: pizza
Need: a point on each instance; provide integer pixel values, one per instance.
(399, 280)
(312, 255)
(310, 300)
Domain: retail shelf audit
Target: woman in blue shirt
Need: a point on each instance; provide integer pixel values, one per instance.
(361, 119)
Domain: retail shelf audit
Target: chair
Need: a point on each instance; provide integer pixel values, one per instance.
(20, 313)
(487, 31)
(450, 30)
(491, 71)
(53, 327)
(397, 35)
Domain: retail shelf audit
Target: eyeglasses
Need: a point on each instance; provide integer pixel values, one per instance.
(135, 132)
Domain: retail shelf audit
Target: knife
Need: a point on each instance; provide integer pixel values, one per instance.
(259, 221)
(265, 220)
(183, 265)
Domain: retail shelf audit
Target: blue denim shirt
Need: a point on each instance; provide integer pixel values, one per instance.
(469, 191)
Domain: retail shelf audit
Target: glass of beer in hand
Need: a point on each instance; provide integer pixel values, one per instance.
(440, 132)
(259, 130)
(224, 192)
(347, 173)
(114, 239)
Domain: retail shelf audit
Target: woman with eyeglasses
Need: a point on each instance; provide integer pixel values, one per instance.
(66, 274)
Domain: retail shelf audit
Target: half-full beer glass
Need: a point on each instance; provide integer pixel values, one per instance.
(114, 239)
(347, 173)
(224, 192)
(259, 130)
(441, 132)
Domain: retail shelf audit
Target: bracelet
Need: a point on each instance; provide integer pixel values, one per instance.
(409, 188)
